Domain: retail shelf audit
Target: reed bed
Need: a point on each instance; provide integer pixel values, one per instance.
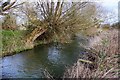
(104, 62)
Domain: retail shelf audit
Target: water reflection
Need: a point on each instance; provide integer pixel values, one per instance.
(54, 54)
(53, 57)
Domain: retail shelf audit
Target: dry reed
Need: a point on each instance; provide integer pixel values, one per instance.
(106, 60)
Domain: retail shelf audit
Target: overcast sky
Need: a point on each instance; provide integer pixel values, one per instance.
(110, 5)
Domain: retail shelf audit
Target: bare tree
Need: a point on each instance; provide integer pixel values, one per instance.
(61, 19)
(6, 6)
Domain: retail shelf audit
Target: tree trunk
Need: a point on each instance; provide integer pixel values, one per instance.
(33, 35)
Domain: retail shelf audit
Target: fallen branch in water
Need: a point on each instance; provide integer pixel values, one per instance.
(85, 61)
(48, 75)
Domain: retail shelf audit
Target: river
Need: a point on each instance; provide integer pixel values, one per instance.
(53, 57)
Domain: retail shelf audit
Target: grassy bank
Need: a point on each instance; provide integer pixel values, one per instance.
(101, 62)
(12, 42)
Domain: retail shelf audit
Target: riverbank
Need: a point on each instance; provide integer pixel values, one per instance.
(100, 64)
(12, 42)
(104, 62)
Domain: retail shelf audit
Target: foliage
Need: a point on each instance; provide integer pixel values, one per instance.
(61, 19)
(9, 22)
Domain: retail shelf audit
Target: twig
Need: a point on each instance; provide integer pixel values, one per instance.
(86, 61)
(107, 72)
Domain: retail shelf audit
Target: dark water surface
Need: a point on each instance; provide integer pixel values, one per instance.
(54, 57)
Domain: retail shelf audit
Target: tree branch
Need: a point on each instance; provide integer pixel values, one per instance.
(9, 6)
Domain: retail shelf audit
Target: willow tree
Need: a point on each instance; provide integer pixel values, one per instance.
(9, 22)
(60, 19)
(6, 6)
(7, 13)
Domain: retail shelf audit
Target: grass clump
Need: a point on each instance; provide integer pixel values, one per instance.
(12, 41)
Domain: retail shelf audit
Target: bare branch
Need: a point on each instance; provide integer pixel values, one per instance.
(9, 6)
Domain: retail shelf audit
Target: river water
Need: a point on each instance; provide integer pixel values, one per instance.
(53, 57)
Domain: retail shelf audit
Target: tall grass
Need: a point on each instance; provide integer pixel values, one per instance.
(12, 41)
(106, 63)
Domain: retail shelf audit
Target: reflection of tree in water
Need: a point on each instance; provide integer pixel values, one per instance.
(70, 52)
(54, 54)
(44, 57)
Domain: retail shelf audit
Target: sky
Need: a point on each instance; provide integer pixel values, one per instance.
(110, 5)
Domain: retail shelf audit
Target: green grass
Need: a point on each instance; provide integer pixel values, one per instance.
(12, 41)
